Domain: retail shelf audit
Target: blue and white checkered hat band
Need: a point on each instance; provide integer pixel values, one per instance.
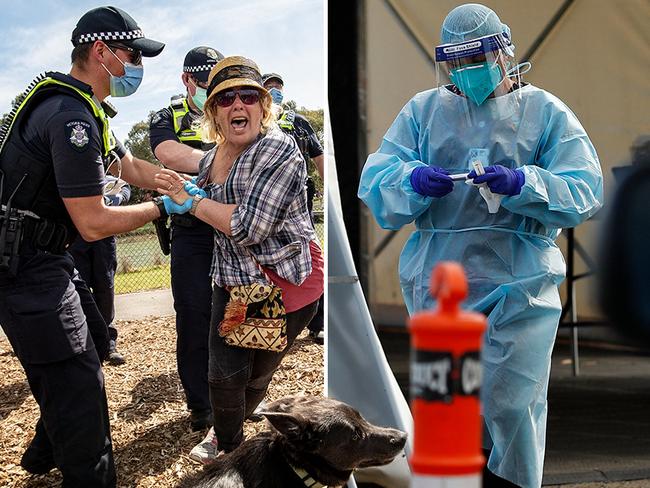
(198, 69)
(109, 36)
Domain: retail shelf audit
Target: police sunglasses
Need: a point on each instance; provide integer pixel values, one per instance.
(248, 96)
(135, 55)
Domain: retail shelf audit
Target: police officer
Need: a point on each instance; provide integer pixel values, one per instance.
(175, 135)
(301, 130)
(97, 262)
(52, 151)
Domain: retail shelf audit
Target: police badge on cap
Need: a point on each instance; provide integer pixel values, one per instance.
(200, 60)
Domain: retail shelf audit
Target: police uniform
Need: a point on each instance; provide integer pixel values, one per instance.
(301, 130)
(54, 145)
(58, 137)
(192, 245)
(97, 262)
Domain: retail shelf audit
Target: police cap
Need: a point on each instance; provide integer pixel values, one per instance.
(200, 60)
(113, 24)
(272, 76)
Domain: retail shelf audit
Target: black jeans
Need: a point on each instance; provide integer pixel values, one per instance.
(318, 322)
(239, 377)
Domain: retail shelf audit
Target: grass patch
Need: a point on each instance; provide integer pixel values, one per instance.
(142, 266)
(151, 278)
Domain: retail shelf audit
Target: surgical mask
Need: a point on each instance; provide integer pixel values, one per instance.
(128, 83)
(477, 81)
(276, 95)
(200, 97)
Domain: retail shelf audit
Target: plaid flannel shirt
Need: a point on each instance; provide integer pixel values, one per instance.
(267, 183)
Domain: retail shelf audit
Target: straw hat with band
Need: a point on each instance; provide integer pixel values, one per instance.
(234, 71)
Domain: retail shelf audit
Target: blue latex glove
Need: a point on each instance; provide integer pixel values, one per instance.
(431, 181)
(174, 208)
(500, 179)
(191, 189)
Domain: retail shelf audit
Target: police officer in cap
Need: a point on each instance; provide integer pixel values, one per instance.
(295, 125)
(301, 130)
(175, 136)
(52, 154)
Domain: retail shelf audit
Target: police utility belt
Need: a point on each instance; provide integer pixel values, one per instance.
(23, 233)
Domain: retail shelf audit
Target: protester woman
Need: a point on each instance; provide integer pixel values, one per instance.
(251, 189)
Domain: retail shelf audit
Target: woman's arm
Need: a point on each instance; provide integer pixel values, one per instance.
(216, 214)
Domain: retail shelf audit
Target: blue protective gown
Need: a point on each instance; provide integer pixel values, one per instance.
(512, 263)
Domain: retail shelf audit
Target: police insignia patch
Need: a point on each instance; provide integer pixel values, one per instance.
(76, 132)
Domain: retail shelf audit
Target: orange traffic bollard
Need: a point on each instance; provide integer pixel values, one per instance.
(445, 382)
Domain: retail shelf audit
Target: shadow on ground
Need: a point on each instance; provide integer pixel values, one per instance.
(149, 394)
(12, 397)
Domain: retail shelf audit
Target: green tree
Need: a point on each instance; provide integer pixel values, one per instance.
(316, 120)
(137, 141)
(16, 101)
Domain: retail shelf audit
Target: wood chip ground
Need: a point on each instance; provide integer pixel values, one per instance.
(149, 422)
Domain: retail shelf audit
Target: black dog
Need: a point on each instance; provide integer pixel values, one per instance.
(315, 442)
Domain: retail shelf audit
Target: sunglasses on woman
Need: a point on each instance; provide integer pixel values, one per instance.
(248, 96)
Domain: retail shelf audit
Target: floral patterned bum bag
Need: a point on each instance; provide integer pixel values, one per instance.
(255, 317)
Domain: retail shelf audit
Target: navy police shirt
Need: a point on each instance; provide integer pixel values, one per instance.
(161, 128)
(62, 129)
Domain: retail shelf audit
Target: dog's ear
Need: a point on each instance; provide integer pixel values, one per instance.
(291, 425)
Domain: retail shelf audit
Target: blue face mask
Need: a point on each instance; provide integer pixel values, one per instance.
(477, 81)
(128, 83)
(276, 95)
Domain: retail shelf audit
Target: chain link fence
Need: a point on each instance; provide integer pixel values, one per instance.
(141, 265)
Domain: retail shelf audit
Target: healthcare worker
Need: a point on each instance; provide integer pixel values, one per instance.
(541, 174)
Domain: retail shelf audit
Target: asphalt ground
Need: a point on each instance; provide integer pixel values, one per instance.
(599, 422)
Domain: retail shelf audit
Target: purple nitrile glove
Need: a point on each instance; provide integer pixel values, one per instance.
(501, 180)
(431, 181)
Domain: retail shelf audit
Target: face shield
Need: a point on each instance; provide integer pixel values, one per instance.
(479, 77)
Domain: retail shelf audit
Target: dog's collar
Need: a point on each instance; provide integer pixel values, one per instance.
(306, 478)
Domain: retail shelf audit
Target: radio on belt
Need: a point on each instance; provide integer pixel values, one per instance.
(445, 383)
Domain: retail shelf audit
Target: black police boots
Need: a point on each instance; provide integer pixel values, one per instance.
(115, 358)
(37, 459)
